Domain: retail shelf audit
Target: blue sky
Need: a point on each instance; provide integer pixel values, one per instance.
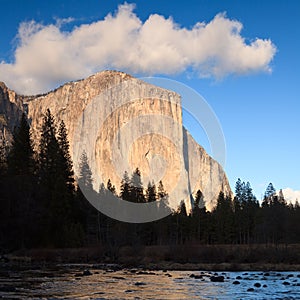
(258, 109)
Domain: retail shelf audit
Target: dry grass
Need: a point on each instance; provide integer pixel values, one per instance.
(186, 257)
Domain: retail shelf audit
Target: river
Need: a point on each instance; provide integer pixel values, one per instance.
(92, 282)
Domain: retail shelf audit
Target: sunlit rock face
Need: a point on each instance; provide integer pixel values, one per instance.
(123, 123)
(11, 108)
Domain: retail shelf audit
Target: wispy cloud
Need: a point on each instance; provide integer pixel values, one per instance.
(47, 56)
(59, 22)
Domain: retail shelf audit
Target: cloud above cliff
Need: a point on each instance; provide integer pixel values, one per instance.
(46, 55)
(291, 195)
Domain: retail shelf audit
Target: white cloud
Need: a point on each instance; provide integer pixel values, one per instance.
(47, 56)
(291, 195)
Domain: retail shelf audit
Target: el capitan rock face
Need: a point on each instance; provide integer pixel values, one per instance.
(11, 108)
(122, 123)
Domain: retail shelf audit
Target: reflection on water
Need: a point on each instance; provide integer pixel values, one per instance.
(86, 282)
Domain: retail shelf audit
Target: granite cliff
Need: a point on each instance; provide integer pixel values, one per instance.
(122, 123)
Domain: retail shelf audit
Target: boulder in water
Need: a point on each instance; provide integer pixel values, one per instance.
(217, 278)
(257, 285)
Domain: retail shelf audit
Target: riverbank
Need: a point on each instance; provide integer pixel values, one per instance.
(192, 257)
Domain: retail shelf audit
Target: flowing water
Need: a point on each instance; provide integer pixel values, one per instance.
(90, 282)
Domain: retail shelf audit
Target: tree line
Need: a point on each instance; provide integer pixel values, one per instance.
(41, 205)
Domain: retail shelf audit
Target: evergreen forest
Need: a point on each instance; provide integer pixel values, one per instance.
(41, 206)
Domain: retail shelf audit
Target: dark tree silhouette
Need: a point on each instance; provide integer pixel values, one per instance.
(56, 186)
(20, 174)
(85, 175)
(269, 193)
(46, 209)
(111, 187)
(125, 187)
(20, 159)
(223, 217)
(66, 162)
(136, 190)
(199, 219)
(49, 152)
(161, 191)
(151, 194)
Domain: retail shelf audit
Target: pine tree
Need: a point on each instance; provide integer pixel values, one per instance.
(73, 216)
(239, 190)
(183, 223)
(248, 192)
(199, 200)
(161, 191)
(91, 215)
(163, 205)
(49, 152)
(238, 213)
(66, 162)
(223, 215)
(137, 191)
(249, 214)
(57, 186)
(199, 218)
(267, 214)
(20, 159)
(281, 198)
(111, 187)
(20, 175)
(125, 187)
(270, 191)
(151, 194)
(49, 179)
(85, 179)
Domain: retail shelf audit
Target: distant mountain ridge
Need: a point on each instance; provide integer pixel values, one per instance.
(144, 146)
